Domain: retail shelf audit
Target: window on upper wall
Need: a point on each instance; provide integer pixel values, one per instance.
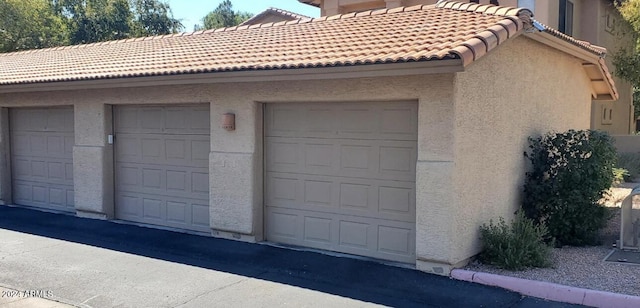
(528, 4)
(565, 24)
(607, 115)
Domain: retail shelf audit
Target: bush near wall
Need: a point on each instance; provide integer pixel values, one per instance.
(570, 173)
(517, 246)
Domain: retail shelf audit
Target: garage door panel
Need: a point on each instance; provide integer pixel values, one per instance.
(185, 182)
(42, 142)
(168, 149)
(174, 120)
(172, 211)
(393, 160)
(392, 200)
(356, 235)
(200, 151)
(349, 234)
(45, 195)
(395, 240)
(396, 121)
(200, 122)
(358, 121)
(162, 165)
(283, 226)
(317, 230)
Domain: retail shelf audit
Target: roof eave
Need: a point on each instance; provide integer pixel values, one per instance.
(337, 72)
(315, 3)
(603, 87)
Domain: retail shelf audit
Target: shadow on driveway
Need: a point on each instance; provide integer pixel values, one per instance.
(357, 279)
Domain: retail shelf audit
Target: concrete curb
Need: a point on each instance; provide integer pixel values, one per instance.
(550, 291)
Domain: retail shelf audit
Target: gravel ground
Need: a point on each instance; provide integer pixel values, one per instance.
(583, 267)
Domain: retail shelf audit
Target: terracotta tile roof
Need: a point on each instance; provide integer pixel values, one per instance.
(284, 14)
(448, 30)
(531, 25)
(427, 33)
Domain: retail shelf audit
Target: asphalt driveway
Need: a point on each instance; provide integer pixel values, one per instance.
(92, 263)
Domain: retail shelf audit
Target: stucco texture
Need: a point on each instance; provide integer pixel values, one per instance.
(521, 89)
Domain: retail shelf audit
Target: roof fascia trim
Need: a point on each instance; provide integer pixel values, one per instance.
(360, 71)
(580, 53)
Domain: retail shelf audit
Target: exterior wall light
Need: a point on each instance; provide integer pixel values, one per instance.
(229, 121)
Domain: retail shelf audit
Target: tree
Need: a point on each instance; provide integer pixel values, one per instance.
(28, 24)
(627, 60)
(153, 17)
(223, 16)
(92, 21)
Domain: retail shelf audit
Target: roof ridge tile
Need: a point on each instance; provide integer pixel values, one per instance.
(490, 9)
(414, 8)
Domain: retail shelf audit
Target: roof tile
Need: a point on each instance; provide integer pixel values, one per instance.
(508, 24)
(502, 11)
(413, 8)
(492, 10)
(396, 10)
(477, 46)
(483, 8)
(500, 32)
(427, 32)
(464, 53)
(489, 39)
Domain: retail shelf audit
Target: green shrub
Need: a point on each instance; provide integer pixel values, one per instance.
(515, 247)
(620, 175)
(570, 173)
(631, 162)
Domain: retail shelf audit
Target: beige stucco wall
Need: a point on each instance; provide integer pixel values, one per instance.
(521, 89)
(613, 39)
(5, 158)
(93, 156)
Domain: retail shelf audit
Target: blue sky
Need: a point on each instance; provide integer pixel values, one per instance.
(191, 11)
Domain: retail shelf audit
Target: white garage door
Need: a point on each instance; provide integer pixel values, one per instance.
(42, 157)
(162, 165)
(341, 177)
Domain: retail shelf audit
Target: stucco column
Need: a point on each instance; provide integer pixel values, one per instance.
(330, 8)
(5, 158)
(93, 161)
(435, 210)
(235, 171)
(393, 3)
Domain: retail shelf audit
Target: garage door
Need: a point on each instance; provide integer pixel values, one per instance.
(42, 157)
(341, 177)
(162, 165)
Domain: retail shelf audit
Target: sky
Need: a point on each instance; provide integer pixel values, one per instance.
(190, 12)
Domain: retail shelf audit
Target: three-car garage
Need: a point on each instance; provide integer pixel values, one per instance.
(337, 176)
